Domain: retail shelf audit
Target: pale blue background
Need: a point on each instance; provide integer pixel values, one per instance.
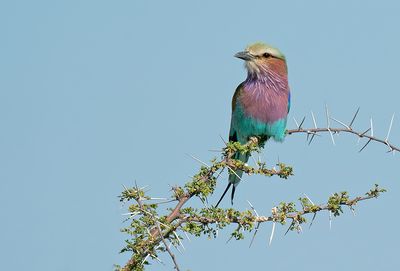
(97, 94)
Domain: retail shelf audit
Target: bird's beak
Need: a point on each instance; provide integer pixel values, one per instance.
(244, 55)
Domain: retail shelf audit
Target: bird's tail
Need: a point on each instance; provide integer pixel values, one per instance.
(234, 176)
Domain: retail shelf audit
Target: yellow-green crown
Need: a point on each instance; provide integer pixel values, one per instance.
(260, 48)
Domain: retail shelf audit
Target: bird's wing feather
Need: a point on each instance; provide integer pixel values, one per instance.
(236, 95)
(232, 131)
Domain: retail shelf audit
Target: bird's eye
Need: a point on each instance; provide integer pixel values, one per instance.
(266, 55)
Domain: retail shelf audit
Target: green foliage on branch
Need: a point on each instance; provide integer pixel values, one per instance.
(151, 227)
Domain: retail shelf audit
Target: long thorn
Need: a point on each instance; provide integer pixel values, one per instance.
(125, 188)
(179, 240)
(390, 128)
(315, 122)
(328, 122)
(223, 140)
(330, 132)
(177, 248)
(354, 118)
(315, 125)
(145, 258)
(372, 127)
(308, 199)
(289, 227)
(338, 121)
(233, 172)
(312, 220)
(198, 160)
(272, 233)
(302, 122)
(297, 124)
(366, 131)
(365, 145)
(255, 162)
(252, 207)
(255, 232)
(158, 259)
(309, 143)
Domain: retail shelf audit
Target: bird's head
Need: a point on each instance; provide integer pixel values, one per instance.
(260, 58)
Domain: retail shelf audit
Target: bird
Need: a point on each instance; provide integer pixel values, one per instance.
(260, 104)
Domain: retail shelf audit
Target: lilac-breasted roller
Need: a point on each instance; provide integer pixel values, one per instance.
(260, 104)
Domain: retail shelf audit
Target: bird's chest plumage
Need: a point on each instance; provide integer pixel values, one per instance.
(264, 102)
(261, 110)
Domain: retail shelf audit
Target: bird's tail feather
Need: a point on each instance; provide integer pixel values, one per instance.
(234, 177)
(223, 195)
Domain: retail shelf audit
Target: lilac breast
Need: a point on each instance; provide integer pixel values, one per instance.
(265, 100)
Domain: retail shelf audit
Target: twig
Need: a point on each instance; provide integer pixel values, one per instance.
(263, 219)
(345, 130)
(167, 248)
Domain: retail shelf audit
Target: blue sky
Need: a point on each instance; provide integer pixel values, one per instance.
(97, 94)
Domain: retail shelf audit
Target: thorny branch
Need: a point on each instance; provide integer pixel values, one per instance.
(276, 216)
(167, 248)
(347, 128)
(201, 185)
(150, 232)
